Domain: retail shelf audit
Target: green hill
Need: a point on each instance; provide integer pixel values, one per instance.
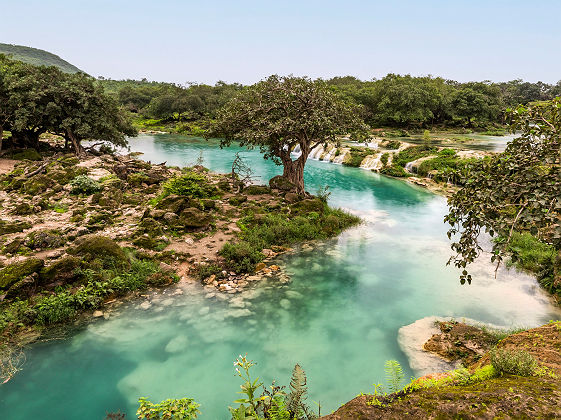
(37, 57)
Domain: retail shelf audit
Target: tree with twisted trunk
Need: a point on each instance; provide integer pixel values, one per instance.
(280, 113)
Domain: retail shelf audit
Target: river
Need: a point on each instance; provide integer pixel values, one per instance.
(338, 318)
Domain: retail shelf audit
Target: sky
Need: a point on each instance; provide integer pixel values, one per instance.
(245, 41)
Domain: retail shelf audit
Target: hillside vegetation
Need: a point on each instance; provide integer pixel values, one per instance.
(37, 57)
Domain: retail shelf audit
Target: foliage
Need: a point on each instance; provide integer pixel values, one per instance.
(517, 190)
(70, 105)
(412, 153)
(83, 184)
(394, 375)
(514, 362)
(272, 404)
(395, 171)
(278, 230)
(279, 113)
(172, 409)
(323, 193)
(190, 184)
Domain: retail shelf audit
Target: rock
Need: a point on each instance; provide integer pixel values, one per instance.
(62, 270)
(237, 200)
(145, 305)
(281, 183)
(98, 314)
(260, 266)
(173, 203)
(257, 190)
(45, 239)
(291, 197)
(285, 304)
(170, 218)
(13, 226)
(18, 270)
(96, 247)
(193, 218)
(189, 241)
(176, 344)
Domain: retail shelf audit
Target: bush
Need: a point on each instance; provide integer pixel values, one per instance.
(190, 184)
(55, 308)
(83, 184)
(204, 271)
(514, 362)
(176, 409)
(395, 171)
(413, 153)
(241, 257)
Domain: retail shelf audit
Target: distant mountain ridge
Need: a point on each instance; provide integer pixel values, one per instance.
(37, 57)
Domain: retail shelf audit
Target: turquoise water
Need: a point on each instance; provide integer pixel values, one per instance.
(338, 317)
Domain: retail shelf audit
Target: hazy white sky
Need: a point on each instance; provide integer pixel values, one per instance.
(244, 41)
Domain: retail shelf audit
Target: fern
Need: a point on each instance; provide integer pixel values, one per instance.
(296, 400)
(394, 375)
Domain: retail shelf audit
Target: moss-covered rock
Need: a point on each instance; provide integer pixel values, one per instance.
(13, 226)
(26, 154)
(45, 239)
(173, 203)
(137, 179)
(97, 247)
(63, 270)
(257, 190)
(23, 209)
(237, 200)
(281, 183)
(18, 270)
(37, 184)
(194, 219)
(309, 205)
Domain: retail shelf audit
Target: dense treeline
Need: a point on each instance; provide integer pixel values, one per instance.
(394, 101)
(36, 100)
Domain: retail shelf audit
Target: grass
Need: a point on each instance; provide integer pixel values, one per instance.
(275, 229)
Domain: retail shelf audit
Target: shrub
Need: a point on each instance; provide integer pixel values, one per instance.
(176, 409)
(413, 153)
(190, 184)
(393, 145)
(241, 257)
(384, 158)
(55, 308)
(394, 170)
(204, 271)
(83, 184)
(514, 362)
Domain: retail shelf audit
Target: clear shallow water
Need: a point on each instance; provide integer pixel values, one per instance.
(475, 142)
(338, 318)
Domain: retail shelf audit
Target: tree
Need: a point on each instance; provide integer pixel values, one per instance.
(280, 113)
(36, 100)
(517, 190)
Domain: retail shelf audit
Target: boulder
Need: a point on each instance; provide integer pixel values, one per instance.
(257, 190)
(291, 197)
(237, 200)
(281, 183)
(194, 218)
(93, 247)
(18, 270)
(173, 203)
(45, 239)
(63, 270)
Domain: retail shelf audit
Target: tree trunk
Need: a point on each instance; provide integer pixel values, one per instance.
(293, 170)
(78, 149)
(1, 136)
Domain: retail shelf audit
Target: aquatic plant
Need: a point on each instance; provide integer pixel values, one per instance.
(172, 409)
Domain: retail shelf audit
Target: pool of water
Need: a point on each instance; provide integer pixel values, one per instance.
(468, 142)
(338, 318)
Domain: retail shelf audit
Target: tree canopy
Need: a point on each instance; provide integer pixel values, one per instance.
(517, 190)
(36, 100)
(280, 113)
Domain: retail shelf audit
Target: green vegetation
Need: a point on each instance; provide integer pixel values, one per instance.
(38, 100)
(191, 184)
(518, 190)
(513, 362)
(280, 113)
(172, 409)
(357, 155)
(83, 184)
(37, 57)
(100, 269)
(313, 219)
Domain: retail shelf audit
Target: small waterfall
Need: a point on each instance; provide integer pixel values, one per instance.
(316, 152)
(409, 167)
(341, 157)
(328, 157)
(372, 162)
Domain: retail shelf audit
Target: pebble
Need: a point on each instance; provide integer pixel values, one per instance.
(145, 305)
(97, 314)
